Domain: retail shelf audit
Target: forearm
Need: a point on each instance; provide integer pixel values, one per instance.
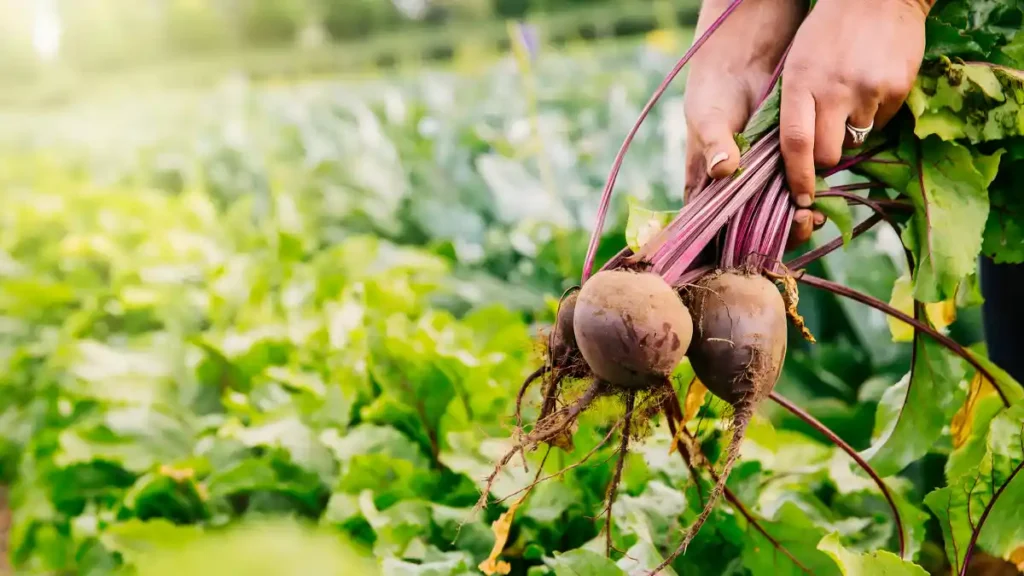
(755, 35)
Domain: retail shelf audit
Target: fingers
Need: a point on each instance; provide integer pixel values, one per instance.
(797, 130)
(805, 223)
(715, 110)
(713, 129)
(696, 173)
(829, 133)
(886, 111)
(803, 227)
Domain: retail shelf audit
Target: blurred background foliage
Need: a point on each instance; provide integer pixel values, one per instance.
(99, 38)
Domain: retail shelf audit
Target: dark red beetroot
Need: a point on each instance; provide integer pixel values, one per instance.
(738, 352)
(741, 336)
(562, 342)
(631, 328)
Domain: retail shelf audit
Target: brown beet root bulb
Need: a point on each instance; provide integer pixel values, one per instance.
(740, 343)
(737, 352)
(631, 328)
(562, 342)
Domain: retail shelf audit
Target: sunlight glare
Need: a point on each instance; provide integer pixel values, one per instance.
(46, 29)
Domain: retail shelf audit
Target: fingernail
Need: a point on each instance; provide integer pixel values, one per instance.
(716, 160)
(801, 217)
(819, 219)
(804, 201)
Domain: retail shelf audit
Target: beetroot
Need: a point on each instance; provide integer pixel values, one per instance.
(562, 341)
(631, 328)
(738, 353)
(741, 336)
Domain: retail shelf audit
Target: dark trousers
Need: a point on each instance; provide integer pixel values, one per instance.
(1003, 312)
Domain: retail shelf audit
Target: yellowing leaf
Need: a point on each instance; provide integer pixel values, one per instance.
(902, 299)
(695, 396)
(177, 474)
(940, 314)
(963, 420)
(642, 224)
(1017, 558)
(501, 528)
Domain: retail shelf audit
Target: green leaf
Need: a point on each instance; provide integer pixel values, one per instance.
(136, 439)
(135, 539)
(434, 563)
(798, 532)
(881, 563)
(159, 495)
(861, 497)
(643, 556)
(380, 459)
(262, 548)
(912, 415)
(1011, 389)
(292, 436)
(971, 29)
(838, 211)
(1015, 51)
(582, 562)
(643, 224)
(976, 102)
(1004, 231)
(764, 119)
(947, 185)
(983, 505)
(396, 526)
(271, 474)
(653, 512)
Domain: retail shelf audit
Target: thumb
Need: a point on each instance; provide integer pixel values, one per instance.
(721, 154)
(714, 114)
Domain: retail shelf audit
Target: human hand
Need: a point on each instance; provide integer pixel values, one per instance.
(727, 78)
(851, 61)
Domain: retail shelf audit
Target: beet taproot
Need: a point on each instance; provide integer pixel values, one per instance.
(631, 328)
(737, 352)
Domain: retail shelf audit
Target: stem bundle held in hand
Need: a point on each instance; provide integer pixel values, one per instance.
(711, 286)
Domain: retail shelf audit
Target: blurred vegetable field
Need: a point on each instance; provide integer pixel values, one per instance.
(313, 304)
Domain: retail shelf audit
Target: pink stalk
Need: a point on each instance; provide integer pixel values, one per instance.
(856, 186)
(760, 227)
(729, 254)
(739, 230)
(751, 211)
(868, 300)
(824, 430)
(671, 268)
(691, 276)
(606, 195)
(848, 162)
(706, 207)
(779, 248)
(806, 259)
(774, 241)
